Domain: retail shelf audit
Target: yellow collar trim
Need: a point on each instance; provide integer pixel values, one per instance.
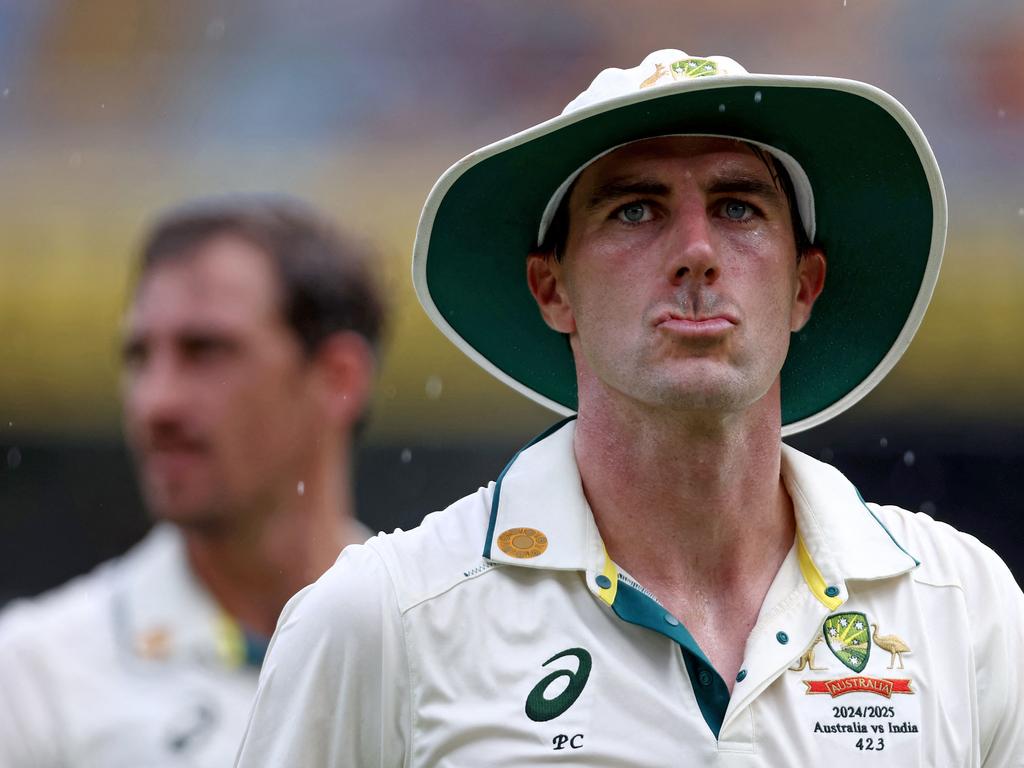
(813, 576)
(612, 573)
(230, 641)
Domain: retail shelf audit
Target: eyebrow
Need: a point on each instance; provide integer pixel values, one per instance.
(619, 188)
(747, 184)
(616, 189)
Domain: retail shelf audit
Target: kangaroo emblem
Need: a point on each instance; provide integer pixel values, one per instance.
(806, 661)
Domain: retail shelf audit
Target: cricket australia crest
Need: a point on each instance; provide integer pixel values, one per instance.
(682, 69)
(847, 636)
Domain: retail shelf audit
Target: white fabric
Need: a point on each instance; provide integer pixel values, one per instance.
(121, 668)
(414, 650)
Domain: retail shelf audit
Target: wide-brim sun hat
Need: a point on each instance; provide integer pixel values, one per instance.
(866, 183)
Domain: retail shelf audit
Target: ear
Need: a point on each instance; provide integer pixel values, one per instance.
(345, 366)
(546, 279)
(810, 281)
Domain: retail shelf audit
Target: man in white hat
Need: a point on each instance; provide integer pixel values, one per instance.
(248, 364)
(658, 580)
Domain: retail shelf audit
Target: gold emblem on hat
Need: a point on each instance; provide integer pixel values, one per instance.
(522, 542)
(659, 72)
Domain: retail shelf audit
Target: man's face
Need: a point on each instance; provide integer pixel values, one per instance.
(217, 403)
(680, 282)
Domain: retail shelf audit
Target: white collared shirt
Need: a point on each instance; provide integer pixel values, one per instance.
(500, 633)
(131, 665)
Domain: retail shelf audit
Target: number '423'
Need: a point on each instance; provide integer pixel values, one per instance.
(870, 745)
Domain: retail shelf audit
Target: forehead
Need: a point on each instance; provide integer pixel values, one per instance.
(224, 281)
(694, 153)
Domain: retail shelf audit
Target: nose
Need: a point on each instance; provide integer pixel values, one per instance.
(153, 395)
(692, 250)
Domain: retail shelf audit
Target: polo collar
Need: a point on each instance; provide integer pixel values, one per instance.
(539, 497)
(540, 518)
(163, 613)
(839, 537)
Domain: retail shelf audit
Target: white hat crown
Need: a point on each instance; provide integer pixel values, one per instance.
(662, 67)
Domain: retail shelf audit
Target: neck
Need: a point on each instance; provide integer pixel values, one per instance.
(253, 565)
(689, 502)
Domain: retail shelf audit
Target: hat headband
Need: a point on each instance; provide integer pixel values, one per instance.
(801, 184)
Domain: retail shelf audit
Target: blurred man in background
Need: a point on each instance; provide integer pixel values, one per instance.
(248, 359)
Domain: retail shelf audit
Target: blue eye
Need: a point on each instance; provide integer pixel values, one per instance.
(737, 211)
(634, 213)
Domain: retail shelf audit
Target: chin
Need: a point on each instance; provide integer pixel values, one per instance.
(179, 510)
(712, 391)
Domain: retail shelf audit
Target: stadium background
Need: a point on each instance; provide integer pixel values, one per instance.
(112, 109)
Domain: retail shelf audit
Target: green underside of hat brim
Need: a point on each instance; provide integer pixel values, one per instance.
(874, 220)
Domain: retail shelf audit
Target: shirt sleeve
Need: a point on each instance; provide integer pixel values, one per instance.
(334, 688)
(30, 736)
(999, 660)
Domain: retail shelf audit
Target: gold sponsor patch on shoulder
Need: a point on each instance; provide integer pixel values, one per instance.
(522, 542)
(154, 644)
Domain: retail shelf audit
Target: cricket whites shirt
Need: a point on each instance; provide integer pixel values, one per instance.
(500, 633)
(131, 665)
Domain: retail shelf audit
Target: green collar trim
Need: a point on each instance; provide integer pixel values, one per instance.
(886, 529)
(709, 689)
(497, 485)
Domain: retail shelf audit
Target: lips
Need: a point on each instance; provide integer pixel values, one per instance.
(172, 460)
(678, 323)
(171, 454)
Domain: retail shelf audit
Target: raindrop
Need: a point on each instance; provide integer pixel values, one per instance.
(391, 392)
(844, 3)
(433, 387)
(721, 107)
(13, 458)
(75, 160)
(7, 92)
(1001, 113)
(757, 97)
(909, 458)
(215, 29)
(928, 507)
(406, 455)
(301, 488)
(1020, 211)
(884, 442)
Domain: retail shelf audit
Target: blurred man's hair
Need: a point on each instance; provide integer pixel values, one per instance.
(327, 282)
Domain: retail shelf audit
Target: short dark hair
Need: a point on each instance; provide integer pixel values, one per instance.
(326, 281)
(558, 232)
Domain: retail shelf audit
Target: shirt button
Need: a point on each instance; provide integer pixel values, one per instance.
(782, 637)
(741, 676)
(831, 591)
(704, 678)
(603, 581)
(671, 620)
